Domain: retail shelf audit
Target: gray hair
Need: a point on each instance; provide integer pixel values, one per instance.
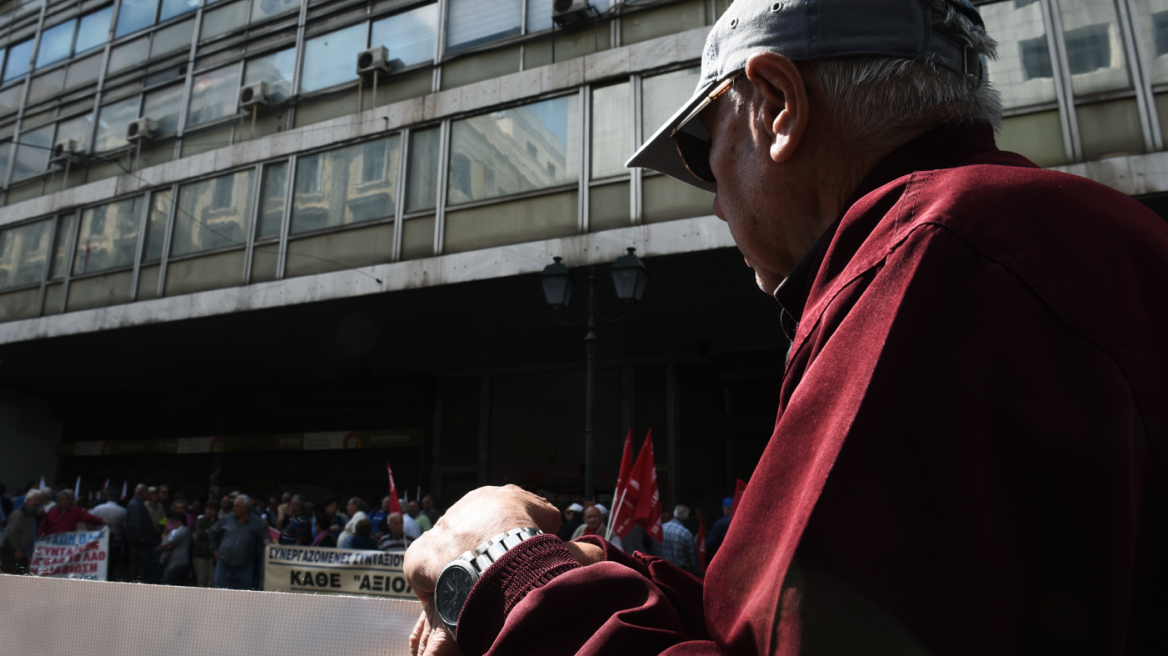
(246, 500)
(65, 491)
(877, 100)
(681, 513)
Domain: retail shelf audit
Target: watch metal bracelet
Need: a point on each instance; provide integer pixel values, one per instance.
(460, 575)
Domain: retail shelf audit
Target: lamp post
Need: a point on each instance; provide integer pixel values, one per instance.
(629, 277)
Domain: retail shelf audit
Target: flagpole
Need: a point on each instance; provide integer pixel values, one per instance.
(616, 511)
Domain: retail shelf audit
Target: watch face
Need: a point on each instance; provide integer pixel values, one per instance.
(453, 586)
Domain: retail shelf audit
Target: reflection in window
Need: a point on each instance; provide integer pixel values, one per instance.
(129, 54)
(409, 36)
(224, 19)
(93, 30)
(172, 8)
(10, 99)
(112, 122)
(214, 94)
(509, 151)
(1095, 49)
(163, 107)
(32, 152)
(212, 213)
(5, 153)
(261, 9)
(77, 129)
(108, 237)
(172, 38)
(612, 130)
(422, 190)
(276, 69)
(56, 43)
(135, 15)
(1152, 20)
(662, 95)
(331, 59)
(1088, 49)
(60, 262)
(1036, 62)
(156, 225)
(19, 57)
(474, 22)
(539, 14)
(347, 185)
(83, 71)
(23, 252)
(272, 200)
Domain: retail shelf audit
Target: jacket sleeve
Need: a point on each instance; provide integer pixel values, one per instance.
(627, 604)
(90, 518)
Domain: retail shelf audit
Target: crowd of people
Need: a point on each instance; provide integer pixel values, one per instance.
(155, 538)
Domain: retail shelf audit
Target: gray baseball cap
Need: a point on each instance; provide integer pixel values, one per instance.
(803, 30)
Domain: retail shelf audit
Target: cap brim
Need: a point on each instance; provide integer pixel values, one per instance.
(660, 154)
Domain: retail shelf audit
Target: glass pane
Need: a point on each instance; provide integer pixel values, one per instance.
(422, 175)
(418, 238)
(612, 130)
(331, 59)
(202, 273)
(645, 25)
(100, 291)
(530, 219)
(1038, 137)
(174, 38)
(56, 43)
(60, 258)
(1152, 22)
(409, 36)
(108, 237)
(19, 57)
(608, 207)
(10, 99)
(539, 15)
(277, 70)
(5, 153)
(156, 225)
(1095, 50)
(261, 9)
(1110, 129)
(473, 22)
(148, 282)
(172, 8)
(663, 94)
(224, 19)
(515, 150)
(135, 15)
(78, 129)
(164, 106)
(129, 54)
(264, 260)
(272, 200)
(46, 85)
(346, 185)
(1024, 70)
(667, 199)
(23, 253)
(214, 94)
(93, 31)
(212, 213)
(32, 153)
(334, 251)
(112, 121)
(83, 71)
(480, 66)
(18, 305)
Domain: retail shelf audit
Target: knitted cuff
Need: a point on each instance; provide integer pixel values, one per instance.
(532, 564)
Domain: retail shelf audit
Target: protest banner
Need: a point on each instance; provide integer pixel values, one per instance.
(77, 555)
(335, 571)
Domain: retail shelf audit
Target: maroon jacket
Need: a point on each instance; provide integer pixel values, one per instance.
(56, 521)
(968, 456)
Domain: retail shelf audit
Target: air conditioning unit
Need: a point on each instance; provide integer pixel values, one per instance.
(373, 59)
(63, 151)
(140, 130)
(255, 93)
(566, 12)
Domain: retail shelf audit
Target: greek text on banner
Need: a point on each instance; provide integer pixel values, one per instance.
(77, 555)
(336, 571)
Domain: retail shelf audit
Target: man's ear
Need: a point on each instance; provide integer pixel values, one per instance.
(783, 107)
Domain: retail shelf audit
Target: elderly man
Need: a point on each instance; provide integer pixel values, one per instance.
(65, 516)
(140, 536)
(235, 542)
(297, 527)
(678, 546)
(971, 417)
(393, 534)
(414, 510)
(19, 539)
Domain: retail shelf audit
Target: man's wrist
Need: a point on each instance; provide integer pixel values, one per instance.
(586, 554)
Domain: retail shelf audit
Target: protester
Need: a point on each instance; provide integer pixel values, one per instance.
(356, 509)
(679, 546)
(193, 513)
(139, 533)
(235, 543)
(175, 550)
(363, 536)
(572, 521)
(203, 560)
(180, 506)
(324, 534)
(226, 505)
(414, 510)
(429, 510)
(282, 509)
(6, 504)
(18, 542)
(273, 512)
(718, 532)
(164, 499)
(297, 527)
(113, 513)
(393, 535)
(65, 516)
(378, 516)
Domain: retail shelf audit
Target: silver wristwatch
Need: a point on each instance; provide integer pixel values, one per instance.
(460, 574)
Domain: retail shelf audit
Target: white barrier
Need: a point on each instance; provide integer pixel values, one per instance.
(82, 618)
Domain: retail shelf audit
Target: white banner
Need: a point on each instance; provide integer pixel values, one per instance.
(78, 555)
(338, 571)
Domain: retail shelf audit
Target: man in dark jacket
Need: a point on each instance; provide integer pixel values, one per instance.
(139, 533)
(19, 541)
(965, 455)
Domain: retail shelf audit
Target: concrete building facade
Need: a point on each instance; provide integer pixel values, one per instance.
(198, 288)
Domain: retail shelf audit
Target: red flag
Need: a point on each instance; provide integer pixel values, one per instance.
(739, 488)
(701, 548)
(394, 504)
(274, 534)
(626, 493)
(648, 513)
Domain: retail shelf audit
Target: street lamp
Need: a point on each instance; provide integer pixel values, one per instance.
(629, 277)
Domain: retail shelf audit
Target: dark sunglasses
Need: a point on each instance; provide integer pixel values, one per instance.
(695, 151)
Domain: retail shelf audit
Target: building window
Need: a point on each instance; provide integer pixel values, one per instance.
(1035, 55)
(214, 95)
(347, 185)
(331, 59)
(108, 236)
(19, 57)
(212, 213)
(409, 36)
(23, 251)
(1088, 49)
(475, 22)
